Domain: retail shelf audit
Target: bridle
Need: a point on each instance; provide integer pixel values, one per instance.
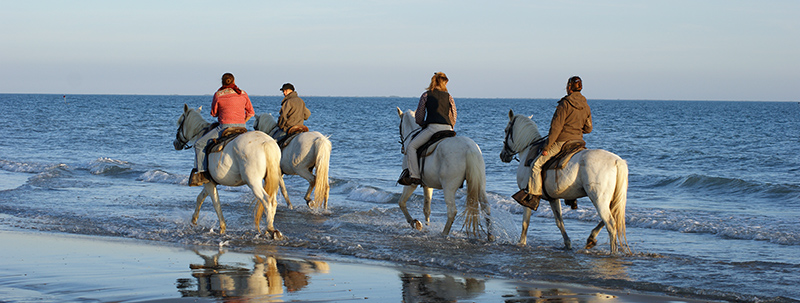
(180, 137)
(403, 139)
(510, 137)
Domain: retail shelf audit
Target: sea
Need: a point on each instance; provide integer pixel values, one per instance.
(713, 207)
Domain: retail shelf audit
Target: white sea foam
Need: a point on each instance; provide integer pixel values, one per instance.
(370, 194)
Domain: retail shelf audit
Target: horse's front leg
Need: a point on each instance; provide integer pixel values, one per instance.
(200, 198)
(211, 190)
(526, 220)
(284, 193)
(555, 205)
(426, 208)
(407, 191)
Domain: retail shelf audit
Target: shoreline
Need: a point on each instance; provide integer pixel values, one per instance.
(57, 267)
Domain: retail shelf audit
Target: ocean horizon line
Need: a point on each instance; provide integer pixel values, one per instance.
(398, 97)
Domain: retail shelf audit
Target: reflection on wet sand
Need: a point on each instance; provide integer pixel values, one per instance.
(440, 288)
(558, 295)
(266, 279)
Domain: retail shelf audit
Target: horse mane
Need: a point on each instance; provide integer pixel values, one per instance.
(525, 132)
(195, 119)
(265, 122)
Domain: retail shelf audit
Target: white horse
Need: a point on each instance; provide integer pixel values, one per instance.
(453, 161)
(305, 152)
(596, 173)
(253, 158)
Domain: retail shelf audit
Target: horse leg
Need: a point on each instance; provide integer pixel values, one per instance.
(284, 193)
(200, 198)
(268, 203)
(526, 220)
(407, 191)
(306, 174)
(450, 200)
(211, 189)
(602, 202)
(592, 241)
(428, 193)
(488, 211)
(556, 207)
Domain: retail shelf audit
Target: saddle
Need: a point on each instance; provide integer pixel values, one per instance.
(423, 151)
(559, 161)
(230, 133)
(427, 149)
(293, 132)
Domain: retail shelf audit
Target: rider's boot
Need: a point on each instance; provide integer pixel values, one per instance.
(197, 178)
(525, 199)
(406, 179)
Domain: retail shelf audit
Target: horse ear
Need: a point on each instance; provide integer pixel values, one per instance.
(510, 114)
(530, 117)
(399, 112)
(185, 108)
(200, 108)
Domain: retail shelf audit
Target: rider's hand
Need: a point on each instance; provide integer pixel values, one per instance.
(544, 153)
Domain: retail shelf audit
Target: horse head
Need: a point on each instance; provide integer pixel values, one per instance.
(190, 124)
(408, 126)
(519, 133)
(264, 123)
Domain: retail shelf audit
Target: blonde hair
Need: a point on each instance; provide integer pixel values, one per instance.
(438, 82)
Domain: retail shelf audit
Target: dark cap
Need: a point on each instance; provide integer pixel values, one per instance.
(287, 86)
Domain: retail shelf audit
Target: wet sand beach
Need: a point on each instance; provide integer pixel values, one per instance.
(56, 267)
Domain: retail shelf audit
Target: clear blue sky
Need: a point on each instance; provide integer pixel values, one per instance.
(681, 50)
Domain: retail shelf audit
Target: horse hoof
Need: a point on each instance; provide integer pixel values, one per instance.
(590, 243)
(417, 225)
(311, 204)
(276, 235)
(490, 238)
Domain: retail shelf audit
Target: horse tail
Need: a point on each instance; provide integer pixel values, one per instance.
(271, 178)
(619, 202)
(321, 186)
(273, 174)
(476, 189)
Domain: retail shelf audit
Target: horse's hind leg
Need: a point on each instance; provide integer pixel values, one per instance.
(306, 174)
(592, 241)
(450, 200)
(200, 198)
(556, 207)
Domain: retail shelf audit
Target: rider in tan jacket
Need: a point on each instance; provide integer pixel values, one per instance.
(572, 119)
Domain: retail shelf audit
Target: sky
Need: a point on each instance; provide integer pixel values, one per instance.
(639, 50)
